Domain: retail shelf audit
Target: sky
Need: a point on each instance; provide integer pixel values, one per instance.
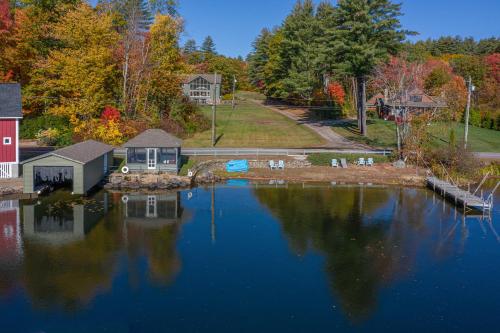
(234, 24)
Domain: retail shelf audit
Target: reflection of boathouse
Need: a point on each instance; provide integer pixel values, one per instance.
(60, 222)
(152, 211)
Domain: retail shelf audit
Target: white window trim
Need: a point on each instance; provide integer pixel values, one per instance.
(5, 140)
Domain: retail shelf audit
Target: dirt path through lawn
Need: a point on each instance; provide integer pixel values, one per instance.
(321, 127)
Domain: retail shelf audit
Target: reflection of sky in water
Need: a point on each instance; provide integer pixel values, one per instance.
(239, 258)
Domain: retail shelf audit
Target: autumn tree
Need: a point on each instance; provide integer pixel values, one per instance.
(76, 78)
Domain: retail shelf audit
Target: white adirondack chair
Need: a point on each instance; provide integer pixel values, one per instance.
(335, 163)
(361, 161)
(370, 162)
(281, 165)
(272, 165)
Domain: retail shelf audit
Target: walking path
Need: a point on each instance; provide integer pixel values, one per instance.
(321, 127)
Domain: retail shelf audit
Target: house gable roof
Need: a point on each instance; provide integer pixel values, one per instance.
(10, 100)
(154, 138)
(82, 152)
(209, 77)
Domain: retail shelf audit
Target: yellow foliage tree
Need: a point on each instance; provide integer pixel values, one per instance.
(79, 76)
(165, 64)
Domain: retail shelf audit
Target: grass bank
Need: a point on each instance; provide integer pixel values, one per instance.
(251, 125)
(382, 134)
(325, 159)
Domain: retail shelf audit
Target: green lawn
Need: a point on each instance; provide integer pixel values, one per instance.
(382, 134)
(251, 125)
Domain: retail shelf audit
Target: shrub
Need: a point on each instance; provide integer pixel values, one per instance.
(475, 118)
(31, 126)
(48, 137)
(188, 116)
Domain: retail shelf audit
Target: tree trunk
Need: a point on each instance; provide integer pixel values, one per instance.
(361, 105)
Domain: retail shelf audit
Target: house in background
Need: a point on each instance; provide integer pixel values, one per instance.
(199, 88)
(153, 150)
(415, 102)
(10, 116)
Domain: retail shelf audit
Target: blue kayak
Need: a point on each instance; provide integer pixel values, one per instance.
(237, 166)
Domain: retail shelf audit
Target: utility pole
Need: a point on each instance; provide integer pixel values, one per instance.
(214, 108)
(470, 88)
(234, 90)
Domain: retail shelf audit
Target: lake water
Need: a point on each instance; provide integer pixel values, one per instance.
(248, 258)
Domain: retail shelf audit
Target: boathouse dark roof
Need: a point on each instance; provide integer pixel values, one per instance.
(82, 152)
(154, 138)
(10, 100)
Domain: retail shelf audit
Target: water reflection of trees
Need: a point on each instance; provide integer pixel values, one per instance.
(72, 247)
(361, 232)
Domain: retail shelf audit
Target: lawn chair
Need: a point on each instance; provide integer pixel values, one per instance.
(370, 162)
(272, 165)
(335, 163)
(361, 161)
(281, 165)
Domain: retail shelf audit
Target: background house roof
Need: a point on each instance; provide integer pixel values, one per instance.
(10, 100)
(154, 138)
(209, 77)
(82, 152)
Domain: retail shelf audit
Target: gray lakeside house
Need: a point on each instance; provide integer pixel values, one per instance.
(199, 88)
(154, 150)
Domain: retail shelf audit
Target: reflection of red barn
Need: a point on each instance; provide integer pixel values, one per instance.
(10, 233)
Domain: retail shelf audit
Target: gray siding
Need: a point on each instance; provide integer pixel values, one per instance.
(93, 172)
(85, 177)
(53, 161)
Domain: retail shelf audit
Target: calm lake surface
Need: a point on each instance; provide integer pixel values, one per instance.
(248, 258)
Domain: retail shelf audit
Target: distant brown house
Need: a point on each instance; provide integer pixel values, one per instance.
(415, 102)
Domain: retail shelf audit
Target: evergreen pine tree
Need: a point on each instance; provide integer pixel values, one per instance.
(300, 51)
(367, 32)
(258, 59)
(208, 46)
(190, 46)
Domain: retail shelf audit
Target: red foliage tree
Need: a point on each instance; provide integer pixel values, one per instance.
(493, 63)
(110, 114)
(6, 21)
(336, 92)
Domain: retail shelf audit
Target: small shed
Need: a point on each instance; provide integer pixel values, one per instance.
(154, 150)
(81, 167)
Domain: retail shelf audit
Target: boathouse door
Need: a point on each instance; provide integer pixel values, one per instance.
(151, 158)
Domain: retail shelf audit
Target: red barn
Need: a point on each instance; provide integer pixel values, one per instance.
(10, 115)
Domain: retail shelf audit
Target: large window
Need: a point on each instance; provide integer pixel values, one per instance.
(167, 156)
(416, 98)
(200, 85)
(136, 155)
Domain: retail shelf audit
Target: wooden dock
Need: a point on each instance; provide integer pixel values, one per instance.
(459, 196)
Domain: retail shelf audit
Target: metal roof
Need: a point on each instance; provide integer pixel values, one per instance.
(82, 152)
(10, 100)
(154, 138)
(209, 77)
